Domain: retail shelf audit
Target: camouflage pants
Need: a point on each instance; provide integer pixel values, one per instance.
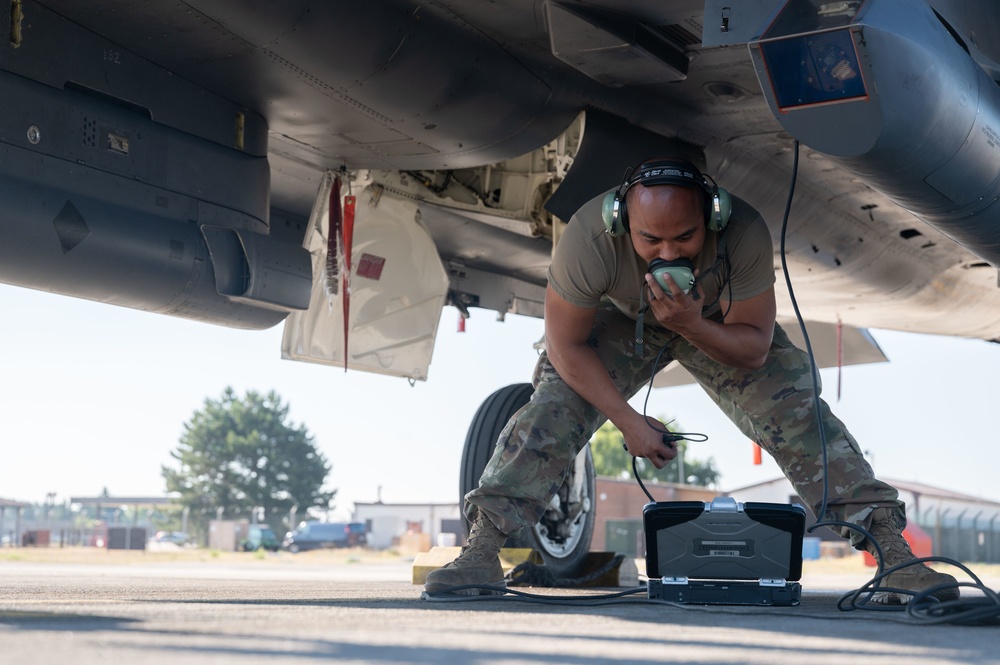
(773, 406)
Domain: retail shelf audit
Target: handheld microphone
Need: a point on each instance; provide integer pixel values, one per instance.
(680, 270)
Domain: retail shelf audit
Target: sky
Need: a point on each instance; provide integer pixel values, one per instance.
(94, 396)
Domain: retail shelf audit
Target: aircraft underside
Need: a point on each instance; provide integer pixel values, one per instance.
(167, 157)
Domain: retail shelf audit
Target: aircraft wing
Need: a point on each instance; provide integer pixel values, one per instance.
(168, 156)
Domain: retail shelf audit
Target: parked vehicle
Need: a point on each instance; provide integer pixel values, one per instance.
(325, 535)
(175, 537)
(260, 537)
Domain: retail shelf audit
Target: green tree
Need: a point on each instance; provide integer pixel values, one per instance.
(236, 454)
(611, 459)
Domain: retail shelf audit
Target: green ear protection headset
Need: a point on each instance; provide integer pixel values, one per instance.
(718, 205)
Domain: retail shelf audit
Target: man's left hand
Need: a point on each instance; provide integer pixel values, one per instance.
(674, 309)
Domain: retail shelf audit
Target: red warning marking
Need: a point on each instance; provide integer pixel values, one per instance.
(371, 266)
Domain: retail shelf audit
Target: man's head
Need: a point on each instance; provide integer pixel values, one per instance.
(666, 221)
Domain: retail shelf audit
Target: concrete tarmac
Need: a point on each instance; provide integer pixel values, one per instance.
(280, 609)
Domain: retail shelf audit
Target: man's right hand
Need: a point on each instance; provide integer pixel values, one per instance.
(567, 331)
(642, 440)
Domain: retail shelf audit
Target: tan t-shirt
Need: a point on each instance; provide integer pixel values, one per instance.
(590, 265)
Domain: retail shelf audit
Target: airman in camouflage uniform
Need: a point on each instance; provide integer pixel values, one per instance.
(739, 356)
(773, 406)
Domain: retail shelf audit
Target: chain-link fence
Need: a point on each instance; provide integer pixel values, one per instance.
(966, 535)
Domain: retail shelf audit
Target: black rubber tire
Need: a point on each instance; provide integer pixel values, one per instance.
(484, 431)
(563, 558)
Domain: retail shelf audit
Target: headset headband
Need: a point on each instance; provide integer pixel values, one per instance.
(667, 173)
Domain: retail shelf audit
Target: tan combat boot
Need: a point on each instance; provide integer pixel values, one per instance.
(478, 563)
(887, 529)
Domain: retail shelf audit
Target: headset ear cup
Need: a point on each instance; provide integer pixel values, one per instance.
(612, 212)
(720, 209)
